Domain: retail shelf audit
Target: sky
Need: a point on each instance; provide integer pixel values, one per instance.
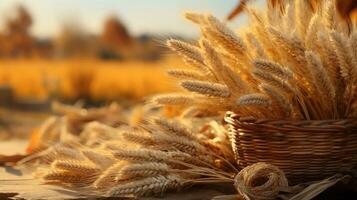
(139, 16)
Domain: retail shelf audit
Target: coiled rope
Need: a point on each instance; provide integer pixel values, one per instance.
(260, 181)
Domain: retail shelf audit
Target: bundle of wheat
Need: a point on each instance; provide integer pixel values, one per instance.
(294, 63)
(103, 159)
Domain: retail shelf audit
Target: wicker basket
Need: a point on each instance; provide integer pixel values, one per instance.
(304, 150)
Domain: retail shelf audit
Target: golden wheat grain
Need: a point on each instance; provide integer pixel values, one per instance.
(180, 143)
(185, 74)
(228, 40)
(147, 155)
(353, 49)
(345, 59)
(329, 14)
(206, 88)
(282, 101)
(222, 71)
(258, 49)
(173, 99)
(138, 137)
(102, 160)
(321, 79)
(274, 81)
(290, 45)
(75, 166)
(146, 169)
(174, 128)
(254, 99)
(303, 12)
(107, 179)
(194, 17)
(330, 57)
(67, 152)
(63, 176)
(147, 186)
(311, 33)
(188, 51)
(289, 18)
(273, 68)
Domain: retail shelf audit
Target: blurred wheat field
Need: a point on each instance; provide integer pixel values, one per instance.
(71, 79)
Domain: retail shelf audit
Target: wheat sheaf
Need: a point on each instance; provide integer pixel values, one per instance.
(98, 159)
(292, 61)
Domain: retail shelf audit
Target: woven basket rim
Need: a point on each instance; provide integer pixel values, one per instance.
(332, 125)
(252, 119)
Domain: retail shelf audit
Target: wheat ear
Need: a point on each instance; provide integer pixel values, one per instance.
(330, 57)
(136, 137)
(274, 94)
(222, 71)
(107, 178)
(180, 143)
(174, 128)
(273, 68)
(311, 33)
(185, 74)
(173, 99)
(194, 17)
(322, 81)
(254, 99)
(353, 49)
(345, 58)
(187, 51)
(303, 12)
(329, 14)
(75, 166)
(206, 88)
(147, 155)
(291, 46)
(152, 185)
(228, 40)
(64, 177)
(146, 169)
(273, 81)
(102, 160)
(259, 51)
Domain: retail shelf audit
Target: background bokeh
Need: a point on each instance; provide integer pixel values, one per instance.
(89, 52)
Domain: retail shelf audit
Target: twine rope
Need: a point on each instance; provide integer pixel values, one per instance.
(260, 181)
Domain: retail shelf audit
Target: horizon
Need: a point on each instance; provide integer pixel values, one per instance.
(90, 15)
